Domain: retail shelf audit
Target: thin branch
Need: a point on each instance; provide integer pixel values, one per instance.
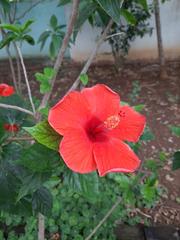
(27, 10)
(114, 34)
(142, 213)
(92, 56)
(26, 79)
(104, 219)
(61, 53)
(18, 65)
(2, 105)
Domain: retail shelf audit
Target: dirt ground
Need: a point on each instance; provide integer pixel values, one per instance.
(137, 83)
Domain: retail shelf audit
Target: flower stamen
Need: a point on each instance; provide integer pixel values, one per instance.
(112, 122)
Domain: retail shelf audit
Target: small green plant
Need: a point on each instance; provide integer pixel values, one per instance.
(44, 79)
(17, 33)
(55, 34)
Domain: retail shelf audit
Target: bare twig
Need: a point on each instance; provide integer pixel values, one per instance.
(104, 219)
(92, 56)
(113, 35)
(142, 213)
(27, 10)
(61, 53)
(2, 105)
(26, 79)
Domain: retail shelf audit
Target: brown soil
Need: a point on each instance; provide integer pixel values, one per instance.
(162, 109)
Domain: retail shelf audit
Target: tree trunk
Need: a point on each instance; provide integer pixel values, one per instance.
(163, 73)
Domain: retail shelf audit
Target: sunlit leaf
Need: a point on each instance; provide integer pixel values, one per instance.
(44, 134)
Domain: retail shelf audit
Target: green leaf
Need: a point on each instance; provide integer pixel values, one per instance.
(139, 107)
(44, 79)
(12, 27)
(84, 79)
(52, 50)
(38, 158)
(148, 192)
(56, 41)
(40, 77)
(53, 21)
(85, 184)
(45, 87)
(26, 25)
(31, 183)
(7, 39)
(49, 72)
(29, 39)
(176, 161)
(144, 4)
(175, 130)
(43, 38)
(42, 201)
(128, 16)
(112, 8)
(44, 134)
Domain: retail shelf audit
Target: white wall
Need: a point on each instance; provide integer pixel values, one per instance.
(141, 48)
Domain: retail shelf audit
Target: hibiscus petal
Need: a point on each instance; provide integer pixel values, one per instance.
(114, 156)
(131, 125)
(102, 100)
(69, 113)
(76, 151)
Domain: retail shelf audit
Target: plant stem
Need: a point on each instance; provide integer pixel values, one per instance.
(62, 50)
(26, 79)
(18, 68)
(12, 68)
(93, 54)
(2, 105)
(104, 219)
(41, 227)
(159, 39)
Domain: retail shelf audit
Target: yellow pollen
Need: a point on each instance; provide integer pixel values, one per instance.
(112, 122)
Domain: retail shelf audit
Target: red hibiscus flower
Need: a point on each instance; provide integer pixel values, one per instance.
(6, 90)
(11, 127)
(94, 126)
